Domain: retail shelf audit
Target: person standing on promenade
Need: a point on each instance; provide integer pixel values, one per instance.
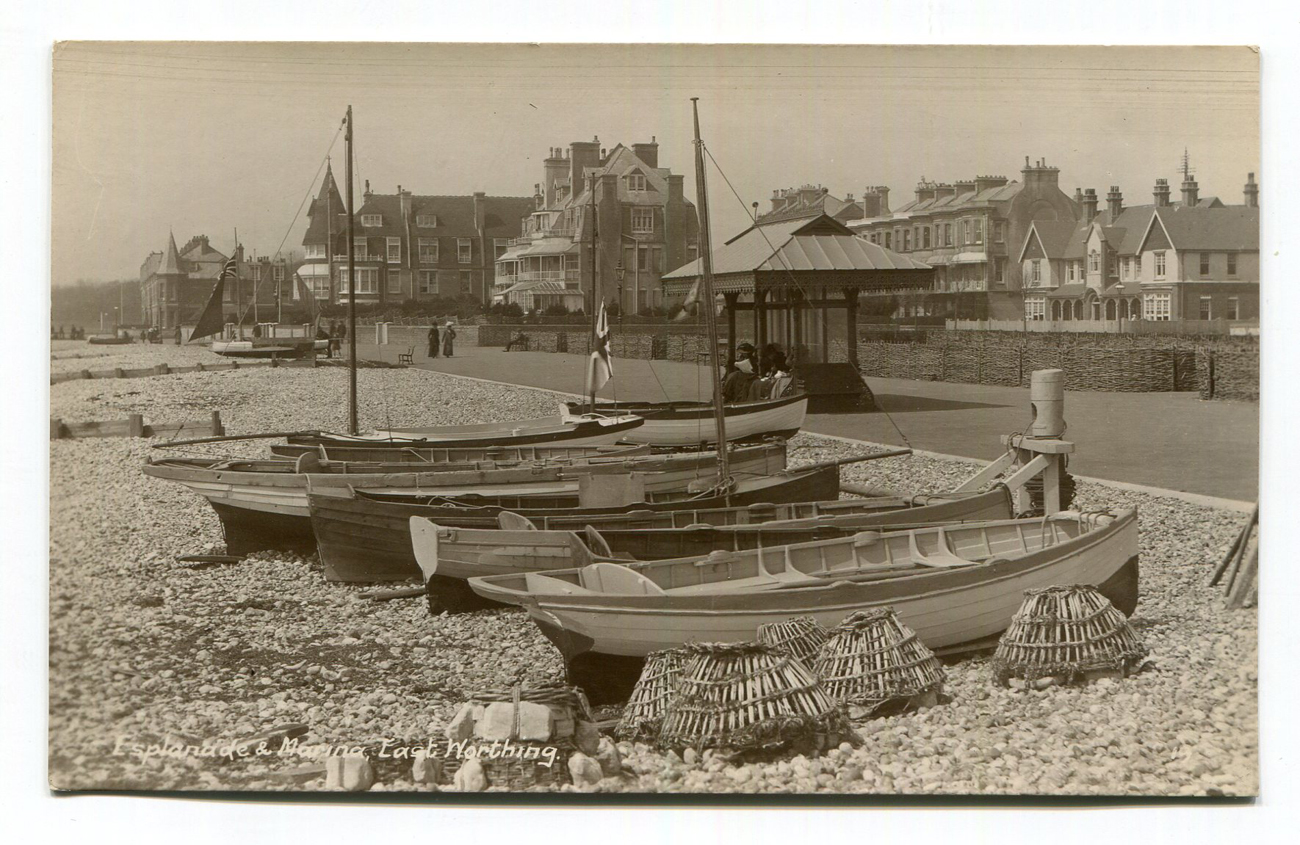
(433, 341)
(448, 340)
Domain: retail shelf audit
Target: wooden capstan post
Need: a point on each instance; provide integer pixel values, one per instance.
(1040, 451)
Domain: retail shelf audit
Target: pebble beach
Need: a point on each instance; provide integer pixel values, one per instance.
(145, 652)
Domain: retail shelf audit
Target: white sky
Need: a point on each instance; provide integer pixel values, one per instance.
(206, 138)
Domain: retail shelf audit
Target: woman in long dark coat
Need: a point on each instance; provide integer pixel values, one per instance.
(433, 341)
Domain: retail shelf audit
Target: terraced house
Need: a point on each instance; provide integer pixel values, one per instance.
(1195, 260)
(969, 231)
(645, 227)
(407, 245)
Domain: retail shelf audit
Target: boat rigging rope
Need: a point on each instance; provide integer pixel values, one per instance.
(804, 292)
(301, 205)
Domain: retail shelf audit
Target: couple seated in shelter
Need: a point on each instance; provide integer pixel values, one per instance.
(752, 377)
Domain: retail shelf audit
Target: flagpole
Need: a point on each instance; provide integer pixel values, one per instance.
(352, 293)
(595, 293)
(239, 292)
(710, 318)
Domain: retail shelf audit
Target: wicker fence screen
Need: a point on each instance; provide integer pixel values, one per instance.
(1234, 374)
(1039, 357)
(961, 363)
(1000, 365)
(1225, 368)
(577, 343)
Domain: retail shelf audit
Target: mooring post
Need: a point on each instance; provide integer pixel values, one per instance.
(56, 428)
(135, 425)
(217, 429)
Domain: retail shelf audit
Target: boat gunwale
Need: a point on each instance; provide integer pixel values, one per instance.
(740, 601)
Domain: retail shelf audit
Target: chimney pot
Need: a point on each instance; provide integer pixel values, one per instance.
(1251, 191)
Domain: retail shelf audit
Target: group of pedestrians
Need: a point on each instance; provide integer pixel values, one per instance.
(444, 341)
(73, 334)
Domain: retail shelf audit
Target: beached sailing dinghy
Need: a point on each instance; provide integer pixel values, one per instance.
(540, 431)
(457, 454)
(692, 423)
(263, 504)
(956, 586)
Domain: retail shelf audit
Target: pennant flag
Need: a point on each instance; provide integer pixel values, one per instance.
(213, 318)
(600, 367)
(690, 305)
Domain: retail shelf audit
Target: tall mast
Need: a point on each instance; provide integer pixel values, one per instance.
(352, 293)
(595, 285)
(239, 292)
(706, 300)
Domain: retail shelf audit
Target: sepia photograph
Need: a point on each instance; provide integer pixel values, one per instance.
(655, 419)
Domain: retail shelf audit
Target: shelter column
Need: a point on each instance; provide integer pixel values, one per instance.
(760, 318)
(730, 299)
(851, 324)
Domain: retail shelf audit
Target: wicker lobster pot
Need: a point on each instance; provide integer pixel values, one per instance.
(874, 663)
(525, 766)
(747, 697)
(799, 635)
(1069, 634)
(651, 697)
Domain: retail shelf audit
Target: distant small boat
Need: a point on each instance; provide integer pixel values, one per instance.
(539, 431)
(449, 555)
(955, 586)
(693, 423)
(109, 339)
(269, 348)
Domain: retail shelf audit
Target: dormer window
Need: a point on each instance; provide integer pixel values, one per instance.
(636, 182)
(372, 220)
(426, 221)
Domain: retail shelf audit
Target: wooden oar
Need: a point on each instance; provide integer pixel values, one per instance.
(229, 437)
(839, 462)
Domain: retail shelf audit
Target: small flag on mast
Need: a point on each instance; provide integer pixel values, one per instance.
(229, 271)
(600, 367)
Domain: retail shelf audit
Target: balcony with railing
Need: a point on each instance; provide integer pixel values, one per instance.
(548, 232)
(537, 276)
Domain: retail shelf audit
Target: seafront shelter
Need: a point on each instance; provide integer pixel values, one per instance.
(789, 275)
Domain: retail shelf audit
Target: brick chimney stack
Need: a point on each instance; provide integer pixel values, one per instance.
(553, 170)
(1251, 191)
(1089, 205)
(1190, 192)
(649, 153)
(582, 154)
(1161, 193)
(1114, 203)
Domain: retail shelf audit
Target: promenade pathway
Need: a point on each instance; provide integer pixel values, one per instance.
(1169, 440)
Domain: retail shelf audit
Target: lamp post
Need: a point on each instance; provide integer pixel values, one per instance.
(620, 272)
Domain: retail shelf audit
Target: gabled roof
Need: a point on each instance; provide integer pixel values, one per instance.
(620, 161)
(822, 243)
(1228, 228)
(956, 202)
(1052, 235)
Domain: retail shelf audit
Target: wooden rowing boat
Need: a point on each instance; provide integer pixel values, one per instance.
(263, 504)
(541, 431)
(455, 455)
(692, 423)
(363, 535)
(449, 555)
(954, 586)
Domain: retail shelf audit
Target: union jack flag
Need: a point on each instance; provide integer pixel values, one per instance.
(229, 271)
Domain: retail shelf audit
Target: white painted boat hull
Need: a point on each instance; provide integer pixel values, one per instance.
(667, 431)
